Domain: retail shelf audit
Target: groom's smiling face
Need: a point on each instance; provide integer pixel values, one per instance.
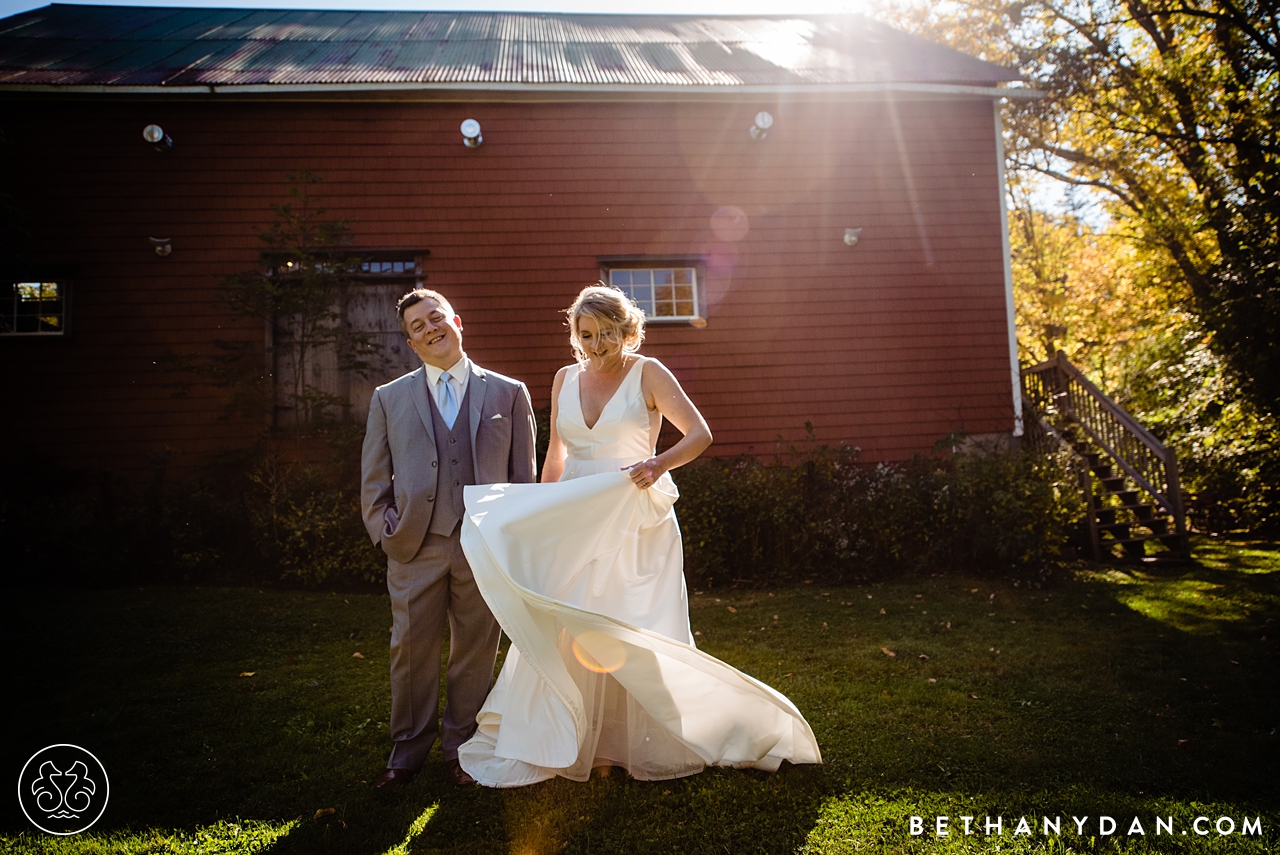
(434, 334)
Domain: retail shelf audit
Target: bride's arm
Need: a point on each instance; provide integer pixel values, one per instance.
(663, 392)
(553, 465)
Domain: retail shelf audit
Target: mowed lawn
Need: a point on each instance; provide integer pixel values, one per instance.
(243, 720)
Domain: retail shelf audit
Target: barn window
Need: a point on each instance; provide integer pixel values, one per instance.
(34, 309)
(666, 292)
(387, 268)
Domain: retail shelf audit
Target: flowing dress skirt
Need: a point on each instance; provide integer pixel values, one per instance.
(586, 578)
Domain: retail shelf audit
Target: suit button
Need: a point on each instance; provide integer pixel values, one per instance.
(454, 462)
(452, 441)
(431, 498)
(433, 464)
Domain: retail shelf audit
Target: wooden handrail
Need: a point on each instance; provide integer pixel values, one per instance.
(1057, 386)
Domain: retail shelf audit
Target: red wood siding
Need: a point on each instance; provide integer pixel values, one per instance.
(888, 345)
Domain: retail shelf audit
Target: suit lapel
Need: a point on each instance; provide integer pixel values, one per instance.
(418, 392)
(479, 382)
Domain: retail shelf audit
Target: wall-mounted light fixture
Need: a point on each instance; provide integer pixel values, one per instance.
(851, 236)
(471, 133)
(162, 246)
(760, 130)
(155, 135)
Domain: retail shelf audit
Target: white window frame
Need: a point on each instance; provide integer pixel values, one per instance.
(621, 273)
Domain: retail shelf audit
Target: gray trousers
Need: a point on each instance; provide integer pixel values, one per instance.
(437, 584)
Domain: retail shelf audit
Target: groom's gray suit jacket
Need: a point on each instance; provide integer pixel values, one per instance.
(399, 464)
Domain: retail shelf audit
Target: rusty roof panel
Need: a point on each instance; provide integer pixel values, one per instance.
(116, 45)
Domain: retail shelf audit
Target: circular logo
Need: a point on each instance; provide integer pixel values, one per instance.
(63, 789)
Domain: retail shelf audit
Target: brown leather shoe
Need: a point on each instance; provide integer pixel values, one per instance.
(393, 778)
(458, 775)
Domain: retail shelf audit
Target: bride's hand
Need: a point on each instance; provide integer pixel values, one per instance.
(645, 473)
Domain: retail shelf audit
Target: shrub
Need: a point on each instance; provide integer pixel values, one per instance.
(307, 530)
(262, 521)
(816, 513)
(819, 513)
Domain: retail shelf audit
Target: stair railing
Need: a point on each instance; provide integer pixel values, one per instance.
(1040, 434)
(1058, 387)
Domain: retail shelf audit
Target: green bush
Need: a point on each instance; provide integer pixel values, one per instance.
(258, 520)
(817, 513)
(307, 530)
(821, 514)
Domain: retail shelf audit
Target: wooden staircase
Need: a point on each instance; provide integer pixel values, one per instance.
(1128, 477)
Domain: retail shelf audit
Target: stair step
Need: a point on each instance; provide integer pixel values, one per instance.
(1105, 516)
(1117, 531)
(1113, 484)
(1165, 539)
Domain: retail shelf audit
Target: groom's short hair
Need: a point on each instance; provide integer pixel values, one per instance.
(417, 295)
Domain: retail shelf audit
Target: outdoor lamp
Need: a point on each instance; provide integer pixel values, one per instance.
(155, 135)
(471, 133)
(851, 236)
(162, 245)
(760, 129)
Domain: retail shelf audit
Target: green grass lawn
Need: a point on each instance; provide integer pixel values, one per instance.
(1130, 693)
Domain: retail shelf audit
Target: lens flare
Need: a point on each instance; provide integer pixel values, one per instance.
(720, 257)
(599, 652)
(730, 224)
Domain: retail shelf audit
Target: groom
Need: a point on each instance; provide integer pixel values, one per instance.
(433, 431)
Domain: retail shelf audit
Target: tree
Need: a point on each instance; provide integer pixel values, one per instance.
(1171, 108)
(1094, 295)
(299, 292)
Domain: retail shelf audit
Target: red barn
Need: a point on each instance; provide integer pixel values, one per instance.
(810, 208)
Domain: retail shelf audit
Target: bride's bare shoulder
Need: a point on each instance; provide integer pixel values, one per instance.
(561, 375)
(653, 368)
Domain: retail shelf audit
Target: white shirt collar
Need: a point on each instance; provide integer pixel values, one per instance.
(458, 372)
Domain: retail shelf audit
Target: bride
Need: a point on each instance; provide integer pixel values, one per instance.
(585, 573)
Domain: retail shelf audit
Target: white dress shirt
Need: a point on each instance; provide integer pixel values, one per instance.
(459, 374)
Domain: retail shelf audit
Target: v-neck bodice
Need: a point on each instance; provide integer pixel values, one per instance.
(621, 436)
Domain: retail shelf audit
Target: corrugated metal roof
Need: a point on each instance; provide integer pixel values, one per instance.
(121, 45)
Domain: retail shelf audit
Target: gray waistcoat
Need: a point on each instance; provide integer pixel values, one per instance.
(453, 450)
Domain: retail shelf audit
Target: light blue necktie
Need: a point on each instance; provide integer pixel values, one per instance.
(448, 400)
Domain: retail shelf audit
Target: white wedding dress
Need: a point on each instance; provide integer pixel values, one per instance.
(586, 577)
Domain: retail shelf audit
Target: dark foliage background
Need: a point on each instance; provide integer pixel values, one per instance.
(814, 513)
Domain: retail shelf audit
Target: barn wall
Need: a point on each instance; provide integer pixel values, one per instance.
(888, 345)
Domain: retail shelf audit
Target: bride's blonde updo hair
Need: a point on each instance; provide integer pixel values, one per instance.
(619, 318)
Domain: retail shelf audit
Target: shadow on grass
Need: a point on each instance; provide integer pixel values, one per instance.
(243, 721)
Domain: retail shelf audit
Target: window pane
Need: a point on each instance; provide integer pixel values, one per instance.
(660, 292)
(32, 307)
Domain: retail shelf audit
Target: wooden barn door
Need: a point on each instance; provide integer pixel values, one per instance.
(338, 378)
